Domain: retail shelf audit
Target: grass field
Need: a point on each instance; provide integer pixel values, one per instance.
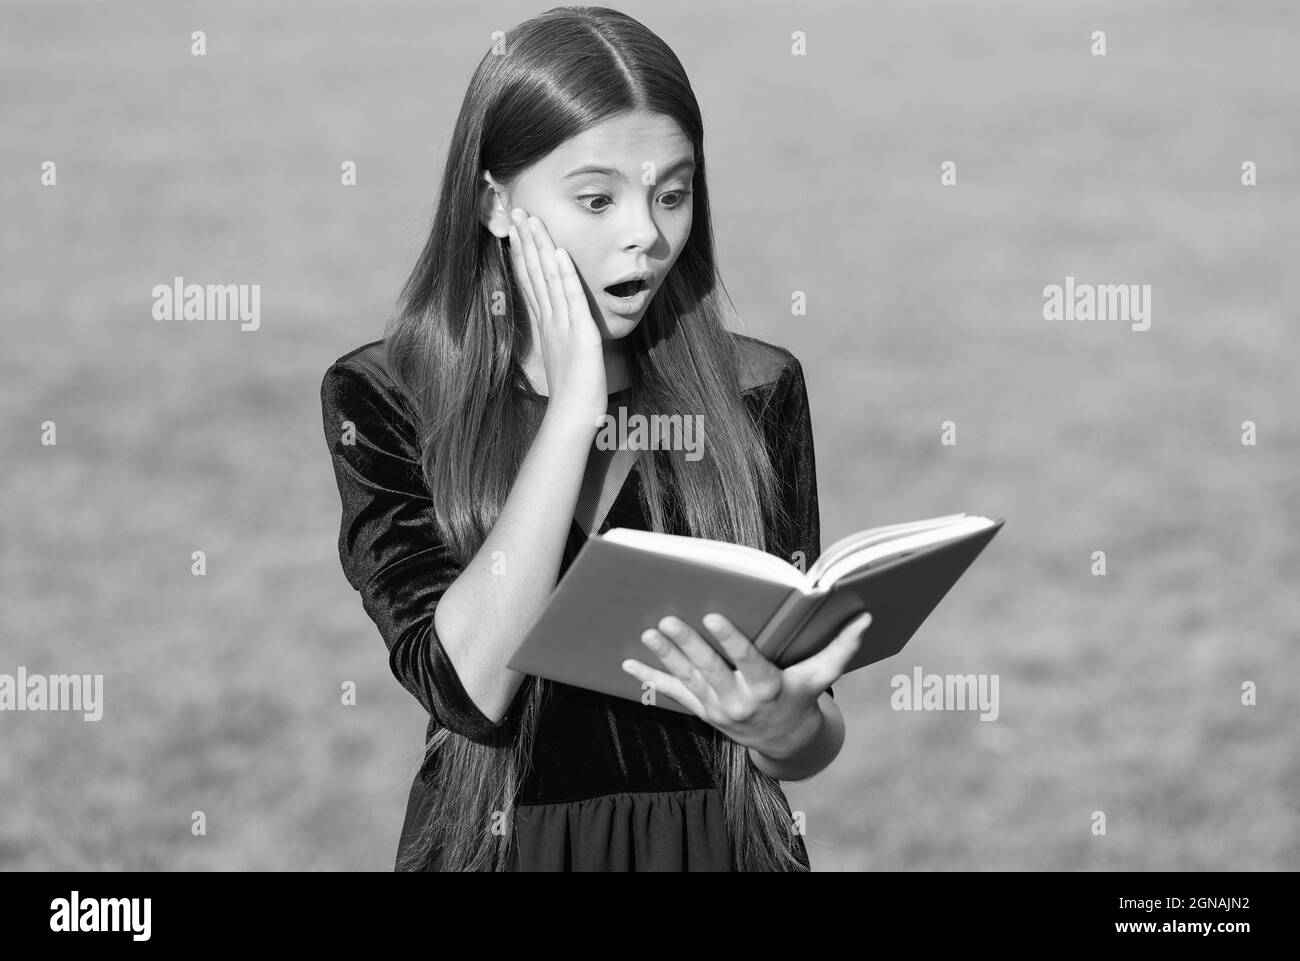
(1119, 693)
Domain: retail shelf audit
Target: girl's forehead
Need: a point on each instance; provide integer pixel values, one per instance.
(624, 142)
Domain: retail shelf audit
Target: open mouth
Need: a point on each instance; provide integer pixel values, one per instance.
(627, 289)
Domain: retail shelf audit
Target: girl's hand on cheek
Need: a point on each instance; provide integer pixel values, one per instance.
(570, 341)
(757, 705)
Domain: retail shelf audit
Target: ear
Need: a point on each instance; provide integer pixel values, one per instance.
(493, 213)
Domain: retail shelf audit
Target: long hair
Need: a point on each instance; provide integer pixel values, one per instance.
(457, 362)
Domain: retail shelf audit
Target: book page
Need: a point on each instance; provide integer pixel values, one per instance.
(876, 552)
(730, 557)
(845, 555)
(856, 541)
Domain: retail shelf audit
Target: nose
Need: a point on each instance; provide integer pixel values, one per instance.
(640, 229)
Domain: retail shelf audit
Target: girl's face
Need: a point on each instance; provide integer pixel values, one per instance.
(611, 223)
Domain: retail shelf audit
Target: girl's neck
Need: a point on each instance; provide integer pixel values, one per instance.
(618, 371)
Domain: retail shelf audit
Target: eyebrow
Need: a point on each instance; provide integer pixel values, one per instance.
(618, 174)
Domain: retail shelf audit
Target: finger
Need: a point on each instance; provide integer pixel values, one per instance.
(827, 666)
(535, 277)
(516, 246)
(574, 294)
(667, 684)
(678, 664)
(759, 673)
(541, 273)
(523, 276)
(720, 675)
(550, 270)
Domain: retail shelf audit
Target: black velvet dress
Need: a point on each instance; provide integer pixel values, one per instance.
(614, 785)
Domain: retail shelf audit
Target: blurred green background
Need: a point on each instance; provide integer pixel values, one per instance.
(1118, 693)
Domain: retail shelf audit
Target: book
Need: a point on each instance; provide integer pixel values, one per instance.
(626, 580)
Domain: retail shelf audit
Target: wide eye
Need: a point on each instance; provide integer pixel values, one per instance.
(681, 196)
(594, 210)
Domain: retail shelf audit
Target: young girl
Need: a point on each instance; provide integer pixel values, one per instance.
(463, 446)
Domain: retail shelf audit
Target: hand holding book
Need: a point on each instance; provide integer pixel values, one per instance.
(755, 703)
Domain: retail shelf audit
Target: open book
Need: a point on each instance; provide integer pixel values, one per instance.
(627, 580)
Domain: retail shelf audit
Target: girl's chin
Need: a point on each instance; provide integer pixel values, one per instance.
(617, 325)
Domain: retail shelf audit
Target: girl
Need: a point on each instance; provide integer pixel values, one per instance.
(463, 449)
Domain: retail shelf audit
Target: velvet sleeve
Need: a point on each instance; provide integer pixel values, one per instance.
(789, 426)
(389, 544)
